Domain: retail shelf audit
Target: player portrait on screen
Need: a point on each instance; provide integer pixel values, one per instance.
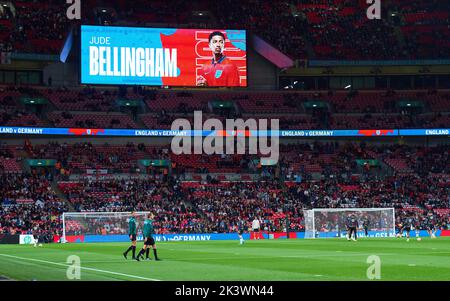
(221, 71)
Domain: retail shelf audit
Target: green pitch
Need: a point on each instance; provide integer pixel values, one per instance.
(330, 259)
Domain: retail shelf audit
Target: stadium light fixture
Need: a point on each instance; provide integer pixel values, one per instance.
(408, 104)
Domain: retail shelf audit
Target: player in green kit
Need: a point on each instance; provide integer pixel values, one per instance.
(148, 239)
(132, 234)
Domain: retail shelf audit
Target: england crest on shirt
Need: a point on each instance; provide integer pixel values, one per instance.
(218, 73)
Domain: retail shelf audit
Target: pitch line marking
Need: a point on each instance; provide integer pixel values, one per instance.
(84, 268)
(4, 278)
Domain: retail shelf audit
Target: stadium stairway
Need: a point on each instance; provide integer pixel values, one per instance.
(310, 49)
(139, 122)
(54, 184)
(400, 37)
(386, 169)
(49, 107)
(190, 206)
(61, 195)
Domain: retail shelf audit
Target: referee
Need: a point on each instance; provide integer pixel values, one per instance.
(132, 234)
(148, 239)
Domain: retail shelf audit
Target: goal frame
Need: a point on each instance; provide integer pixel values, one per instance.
(65, 214)
(314, 210)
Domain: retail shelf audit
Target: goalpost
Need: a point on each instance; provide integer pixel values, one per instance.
(331, 222)
(97, 223)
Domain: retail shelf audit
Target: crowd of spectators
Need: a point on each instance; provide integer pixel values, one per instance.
(78, 157)
(92, 108)
(412, 179)
(343, 31)
(425, 27)
(29, 205)
(417, 185)
(39, 27)
(333, 29)
(206, 208)
(272, 20)
(164, 199)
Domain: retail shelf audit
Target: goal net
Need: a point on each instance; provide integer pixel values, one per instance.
(332, 222)
(99, 223)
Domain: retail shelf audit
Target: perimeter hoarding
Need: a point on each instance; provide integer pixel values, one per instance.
(226, 236)
(11, 130)
(113, 55)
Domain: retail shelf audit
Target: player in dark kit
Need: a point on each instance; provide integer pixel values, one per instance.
(221, 71)
(148, 239)
(132, 234)
(366, 226)
(407, 224)
(352, 226)
(241, 229)
(431, 227)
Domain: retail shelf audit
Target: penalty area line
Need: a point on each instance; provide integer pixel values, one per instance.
(81, 267)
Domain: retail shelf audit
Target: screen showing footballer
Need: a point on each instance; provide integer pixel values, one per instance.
(163, 57)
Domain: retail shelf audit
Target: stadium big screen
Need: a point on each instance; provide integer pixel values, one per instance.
(162, 56)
